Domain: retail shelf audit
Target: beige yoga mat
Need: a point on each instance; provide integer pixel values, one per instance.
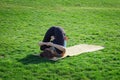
(79, 49)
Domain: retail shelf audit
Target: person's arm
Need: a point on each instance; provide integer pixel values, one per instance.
(61, 48)
(42, 43)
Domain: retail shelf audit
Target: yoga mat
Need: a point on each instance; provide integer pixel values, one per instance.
(79, 49)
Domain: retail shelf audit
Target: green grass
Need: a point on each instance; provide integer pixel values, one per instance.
(23, 24)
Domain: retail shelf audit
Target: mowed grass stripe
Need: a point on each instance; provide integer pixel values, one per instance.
(57, 7)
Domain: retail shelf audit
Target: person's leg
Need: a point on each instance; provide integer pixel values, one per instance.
(59, 36)
(47, 37)
(59, 39)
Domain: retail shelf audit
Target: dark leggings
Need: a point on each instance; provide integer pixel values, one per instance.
(58, 33)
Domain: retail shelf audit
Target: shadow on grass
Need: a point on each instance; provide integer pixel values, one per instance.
(31, 59)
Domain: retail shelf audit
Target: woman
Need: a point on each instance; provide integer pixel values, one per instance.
(54, 43)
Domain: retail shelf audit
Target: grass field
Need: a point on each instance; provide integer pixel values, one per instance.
(23, 24)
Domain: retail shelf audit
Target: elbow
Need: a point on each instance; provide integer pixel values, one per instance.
(64, 50)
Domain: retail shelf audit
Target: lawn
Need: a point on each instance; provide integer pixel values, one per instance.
(23, 24)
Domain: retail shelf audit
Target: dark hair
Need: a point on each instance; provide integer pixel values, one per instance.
(47, 54)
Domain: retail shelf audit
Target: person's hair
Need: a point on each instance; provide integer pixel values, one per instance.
(47, 54)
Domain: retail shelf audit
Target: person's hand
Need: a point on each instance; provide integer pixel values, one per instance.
(41, 43)
(52, 38)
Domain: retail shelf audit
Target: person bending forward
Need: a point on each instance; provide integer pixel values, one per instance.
(54, 43)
